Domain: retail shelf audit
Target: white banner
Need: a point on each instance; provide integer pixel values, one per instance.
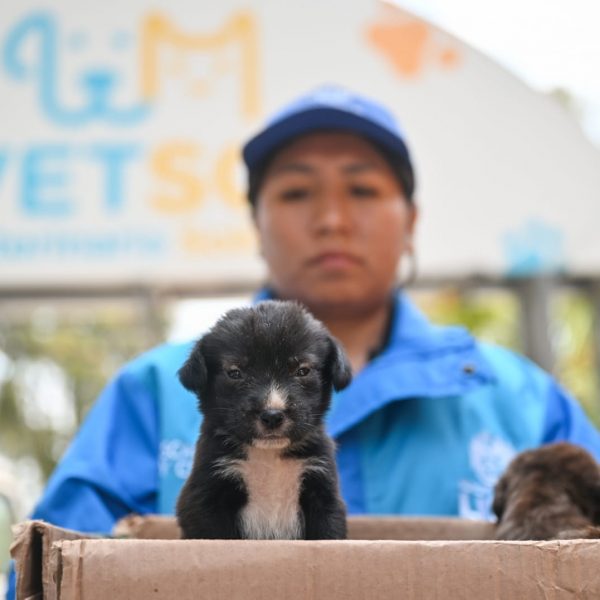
(121, 125)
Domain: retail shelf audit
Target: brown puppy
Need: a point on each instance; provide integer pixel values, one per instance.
(549, 493)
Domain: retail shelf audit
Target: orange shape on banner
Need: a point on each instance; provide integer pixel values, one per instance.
(410, 46)
(449, 57)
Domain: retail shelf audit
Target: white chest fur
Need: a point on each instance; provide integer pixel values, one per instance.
(273, 486)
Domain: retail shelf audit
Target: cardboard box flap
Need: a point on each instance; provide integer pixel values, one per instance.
(158, 527)
(191, 569)
(31, 552)
(26, 550)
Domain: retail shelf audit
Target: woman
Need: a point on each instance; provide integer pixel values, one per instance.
(432, 416)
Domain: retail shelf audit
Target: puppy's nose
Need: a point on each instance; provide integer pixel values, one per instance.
(271, 418)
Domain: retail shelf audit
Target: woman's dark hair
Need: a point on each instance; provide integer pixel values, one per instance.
(401, 169)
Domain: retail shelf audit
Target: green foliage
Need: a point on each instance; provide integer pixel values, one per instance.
(6, 518)
(84, 347)
(491, 315)
(573, 318)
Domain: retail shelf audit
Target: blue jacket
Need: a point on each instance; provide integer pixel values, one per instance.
(426, 428)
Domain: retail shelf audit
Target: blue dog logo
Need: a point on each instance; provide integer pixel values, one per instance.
(99, 86)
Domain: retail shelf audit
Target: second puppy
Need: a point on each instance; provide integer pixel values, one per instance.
(547, 493)
(264, 467)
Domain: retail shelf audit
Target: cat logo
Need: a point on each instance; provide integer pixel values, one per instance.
(235, 47)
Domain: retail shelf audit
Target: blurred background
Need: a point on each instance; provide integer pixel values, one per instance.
(122, 214)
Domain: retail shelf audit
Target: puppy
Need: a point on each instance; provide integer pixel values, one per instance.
(264, 467)
(548, 493)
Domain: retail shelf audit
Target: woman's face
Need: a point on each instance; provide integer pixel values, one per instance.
(333, 223)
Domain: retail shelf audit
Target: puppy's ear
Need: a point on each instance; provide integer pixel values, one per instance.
(193, 374)
(341, 371)
(500, 491)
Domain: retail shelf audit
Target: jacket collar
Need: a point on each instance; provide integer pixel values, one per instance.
(421, 360)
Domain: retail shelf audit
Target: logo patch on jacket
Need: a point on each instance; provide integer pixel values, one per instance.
(175, 458)
(489, 455)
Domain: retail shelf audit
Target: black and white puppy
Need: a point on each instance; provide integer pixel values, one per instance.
(264, 467)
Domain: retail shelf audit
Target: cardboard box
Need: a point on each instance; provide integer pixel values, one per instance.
(32, 549)
(387, 558)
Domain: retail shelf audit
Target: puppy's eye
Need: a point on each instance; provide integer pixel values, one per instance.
(234, 374)
(302, 372)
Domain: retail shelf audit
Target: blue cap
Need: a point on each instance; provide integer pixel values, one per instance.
(328, 107)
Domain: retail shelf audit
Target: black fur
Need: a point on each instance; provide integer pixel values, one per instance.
(232, 370)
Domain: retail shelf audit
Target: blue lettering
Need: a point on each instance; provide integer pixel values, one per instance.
(114, 160)
(43, 175)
